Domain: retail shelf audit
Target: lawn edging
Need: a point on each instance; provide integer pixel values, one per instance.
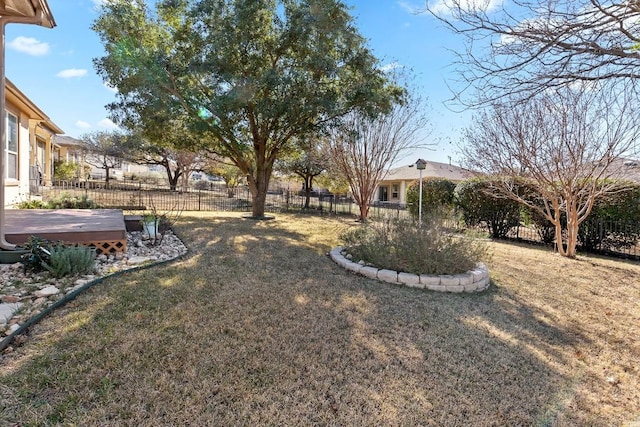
(24, 327)
(476, 280)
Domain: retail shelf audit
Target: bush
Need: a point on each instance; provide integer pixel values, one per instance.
(613, 221)
(70, 260)
(437, 193)
(39, 253)
(57, 259)
(65, 201)
(402, 245)
(545, 229)
(65, 171)
(32, 204)
(480, 208)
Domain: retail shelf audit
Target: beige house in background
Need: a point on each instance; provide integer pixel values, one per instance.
(393, 187)
(29, 147)
(68, 149)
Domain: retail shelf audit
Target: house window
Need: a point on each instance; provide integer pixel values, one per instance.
(11, 147)
(394, 191)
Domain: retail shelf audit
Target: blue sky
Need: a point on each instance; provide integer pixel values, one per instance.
(54, 68)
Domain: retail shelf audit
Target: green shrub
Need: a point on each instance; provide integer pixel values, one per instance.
(32, 204)
(613, 221)
(65, 171)
(480, 208)
(437, 193)
(70, 261)
(65, 201)
(402, 245)
(545, 229)
(39, 253)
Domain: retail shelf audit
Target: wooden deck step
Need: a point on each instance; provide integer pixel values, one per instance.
(102, 228)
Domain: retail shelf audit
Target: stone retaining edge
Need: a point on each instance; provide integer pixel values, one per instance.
(476, 280)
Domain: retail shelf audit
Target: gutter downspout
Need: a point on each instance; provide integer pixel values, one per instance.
(4, 20)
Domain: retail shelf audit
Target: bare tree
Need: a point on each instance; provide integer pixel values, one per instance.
(185, 162)
(523, 47)
(363, 148)
(177, 163)
(561, 145)
(104, 150)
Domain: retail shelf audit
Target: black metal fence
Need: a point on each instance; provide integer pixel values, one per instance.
(610, 238)
(606, 237)
(141, 196)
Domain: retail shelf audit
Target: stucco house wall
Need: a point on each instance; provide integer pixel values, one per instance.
(29, 146)
(392, 188)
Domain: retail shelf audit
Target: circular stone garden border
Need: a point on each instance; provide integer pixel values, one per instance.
(476, 280)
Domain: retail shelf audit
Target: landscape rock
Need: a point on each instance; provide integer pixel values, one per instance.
(412, 280)
(388, 276)
(37, 291)
(47, 291)
(136, 260)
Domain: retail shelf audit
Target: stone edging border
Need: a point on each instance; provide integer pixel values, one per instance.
(476, 280)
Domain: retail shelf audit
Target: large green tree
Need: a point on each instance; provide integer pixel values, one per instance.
(250, 75)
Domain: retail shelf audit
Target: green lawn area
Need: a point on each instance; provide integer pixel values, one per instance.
(257, 326)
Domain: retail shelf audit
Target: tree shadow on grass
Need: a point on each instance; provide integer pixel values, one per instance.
(256, 327)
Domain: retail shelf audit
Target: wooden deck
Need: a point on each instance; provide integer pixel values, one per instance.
(103, 228)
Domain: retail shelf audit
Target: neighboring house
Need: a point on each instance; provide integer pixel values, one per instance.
(29, 147)
(74, 150)
(626, 169)
(69, 149)
(393, 187)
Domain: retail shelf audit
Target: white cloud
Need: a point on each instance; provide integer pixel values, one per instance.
(110, 88)
(29, 45)
(72, 72)
(391, 66)
(411, 8)
(107, 124)
(81, 124)
(446, 7)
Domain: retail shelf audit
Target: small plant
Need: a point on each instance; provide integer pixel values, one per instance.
(39, 254)
(32, 204)
(70, 261)
(402, 245)
(157, 222)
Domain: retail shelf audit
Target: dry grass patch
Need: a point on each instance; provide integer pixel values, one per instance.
(259, 327)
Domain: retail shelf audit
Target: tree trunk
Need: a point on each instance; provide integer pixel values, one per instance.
(259, 200)
(106, 176)
(259, 188)
(364, 211)
(572, 233)
(307, 193)
(559, 240)
(173, 180)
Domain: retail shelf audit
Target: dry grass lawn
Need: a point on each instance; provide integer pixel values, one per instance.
(256, 326)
